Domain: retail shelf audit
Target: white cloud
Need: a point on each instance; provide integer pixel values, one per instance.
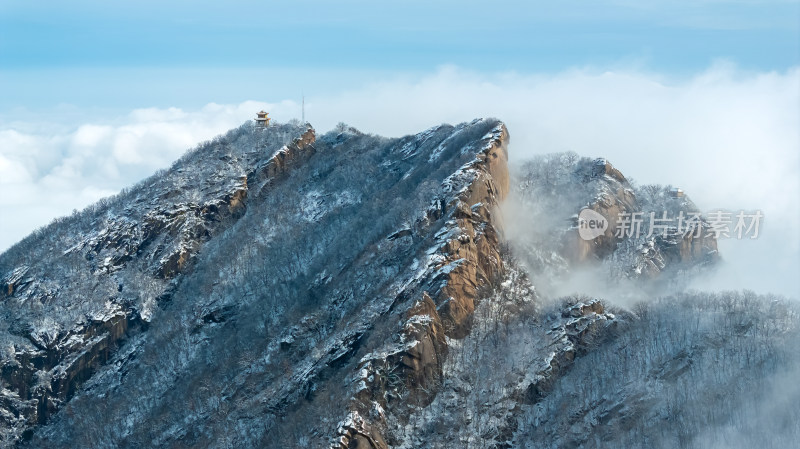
(729, 137)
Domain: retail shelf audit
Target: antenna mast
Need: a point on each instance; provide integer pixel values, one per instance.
(303, 108)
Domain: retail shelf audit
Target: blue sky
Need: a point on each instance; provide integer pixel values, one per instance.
(155, 53)
(676, 34)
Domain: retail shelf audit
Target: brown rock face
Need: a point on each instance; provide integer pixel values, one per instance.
(474, 253)
(641, 255)
(618, 199)
(415, 366)
(295, 153)
(364, 442)
(13, 281)
(356, 433)
(422, 362)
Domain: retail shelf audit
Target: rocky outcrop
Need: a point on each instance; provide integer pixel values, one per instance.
(582, 326)
(282, 161)
(613, 199)
(611, 221)
(37, 382)
(517, 352)
(468, 265)
(414, 367)
(356, 433)
(472, 253)
(15, 279)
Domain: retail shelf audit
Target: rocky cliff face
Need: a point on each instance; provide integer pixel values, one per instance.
(549, 205)
(275, 288)
(463, 265)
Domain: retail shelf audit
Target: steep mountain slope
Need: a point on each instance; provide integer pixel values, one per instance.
(275, 288)
(695, 370)
(77, 288)
(268, 314)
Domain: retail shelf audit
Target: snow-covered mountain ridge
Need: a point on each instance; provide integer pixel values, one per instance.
(276, 288)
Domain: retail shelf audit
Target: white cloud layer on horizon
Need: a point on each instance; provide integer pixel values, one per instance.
(48, 169)
(730, 138)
